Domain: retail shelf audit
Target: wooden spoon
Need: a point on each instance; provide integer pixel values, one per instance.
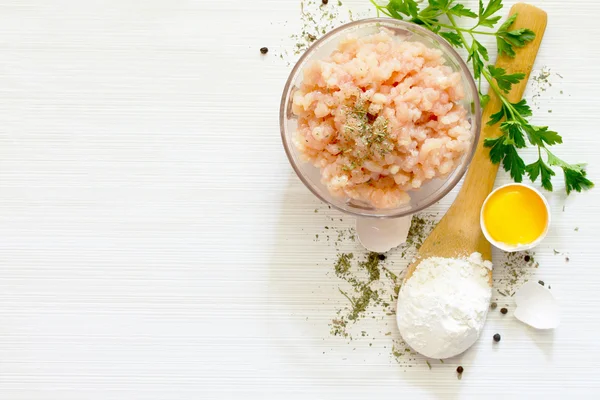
(459, 232)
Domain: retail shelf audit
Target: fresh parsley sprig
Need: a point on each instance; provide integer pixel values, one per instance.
(440, 16)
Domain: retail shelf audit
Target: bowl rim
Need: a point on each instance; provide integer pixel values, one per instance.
(476, 112)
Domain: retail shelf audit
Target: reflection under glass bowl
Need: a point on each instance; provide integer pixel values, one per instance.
(432, 191)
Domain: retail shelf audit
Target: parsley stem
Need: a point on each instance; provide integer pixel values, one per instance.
(380, 9)
(432, 20)
(459, 31)
(498, 92)
(469, 30)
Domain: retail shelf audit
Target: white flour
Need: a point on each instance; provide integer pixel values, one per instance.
(443, 305)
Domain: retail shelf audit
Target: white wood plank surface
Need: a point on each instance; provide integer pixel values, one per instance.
(155, 243)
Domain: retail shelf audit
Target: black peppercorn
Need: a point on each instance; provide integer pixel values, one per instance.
(460, 369)
(381, 257)
(527, 258)
(325, 2)
(494, 305)
(264, 50)
(503, 310)
(497, 337)
(541, 283)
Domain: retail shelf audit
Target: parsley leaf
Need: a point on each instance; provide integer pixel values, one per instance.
(476, 60)
(513, 163)
(497, 148)
(439, 4)
(539, 167)
(485, 14)
(502, 149)
(481, 50)
(484, 99)
(508, 40)
(453, 38)
(515, 133)
(575, 179)
(520, 37)
(461, 11)
(575, 174)
(497, 117)
(407, 7)
(522, 108)
(541, 135)
(504, 80)
(429, 14)
(508, 23)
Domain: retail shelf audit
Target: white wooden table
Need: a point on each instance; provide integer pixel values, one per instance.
(155, 243)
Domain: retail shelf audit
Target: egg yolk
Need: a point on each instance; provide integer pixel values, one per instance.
(515, 215)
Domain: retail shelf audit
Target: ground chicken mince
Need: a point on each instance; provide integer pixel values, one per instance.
(380, 117)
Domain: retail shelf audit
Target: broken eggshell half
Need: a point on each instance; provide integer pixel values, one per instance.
(382, 235)
(536, 306)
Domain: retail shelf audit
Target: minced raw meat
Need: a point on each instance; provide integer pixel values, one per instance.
(381, 117)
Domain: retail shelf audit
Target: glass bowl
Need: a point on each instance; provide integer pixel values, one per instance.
(432, 191)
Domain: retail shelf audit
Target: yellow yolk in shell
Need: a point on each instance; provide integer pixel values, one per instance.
(515, 215)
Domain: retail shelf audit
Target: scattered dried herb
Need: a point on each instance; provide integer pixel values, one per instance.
(511, 270)
(371, 265)
(370, 285)
(364, 135)
(363, 293)
(541, 81)
(421, 227)
(543, 76)
(402, 353)
(365, 276)
(316, 21)
(342, 265)
(361, 302)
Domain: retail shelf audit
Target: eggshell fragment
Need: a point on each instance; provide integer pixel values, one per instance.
(536, 306)
(381, 235)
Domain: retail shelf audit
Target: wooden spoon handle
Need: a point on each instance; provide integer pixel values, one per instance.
(459, 232)
(479, 181)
